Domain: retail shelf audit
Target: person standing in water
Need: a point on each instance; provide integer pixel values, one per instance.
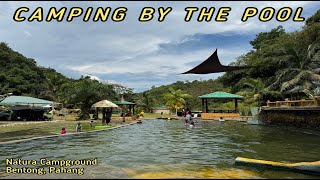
(188, 117)
(78, 127)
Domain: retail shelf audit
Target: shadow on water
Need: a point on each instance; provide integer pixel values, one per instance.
(170, 149)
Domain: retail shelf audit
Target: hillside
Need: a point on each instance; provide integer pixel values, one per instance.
(21, 76)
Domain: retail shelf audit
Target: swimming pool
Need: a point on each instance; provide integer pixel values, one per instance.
(169, 149)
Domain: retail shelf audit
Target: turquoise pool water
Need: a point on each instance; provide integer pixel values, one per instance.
(169, 149)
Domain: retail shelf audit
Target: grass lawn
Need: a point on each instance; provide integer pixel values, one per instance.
(14, 130)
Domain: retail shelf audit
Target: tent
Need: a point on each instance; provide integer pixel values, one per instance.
(213, 65)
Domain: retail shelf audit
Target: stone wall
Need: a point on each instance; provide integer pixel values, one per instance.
(299, 118)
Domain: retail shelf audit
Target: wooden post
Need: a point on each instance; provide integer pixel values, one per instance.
(268, 103)
(206, 105)
(132, 109)
(202, 106)
(316, 98)
(103, 116)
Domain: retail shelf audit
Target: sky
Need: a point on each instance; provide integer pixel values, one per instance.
(136, 54)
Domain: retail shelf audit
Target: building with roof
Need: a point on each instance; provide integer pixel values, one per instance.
(27, 108)
(161, 110)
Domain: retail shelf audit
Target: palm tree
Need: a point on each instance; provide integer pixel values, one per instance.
(145, 101)
(175, 99)
(302, 74)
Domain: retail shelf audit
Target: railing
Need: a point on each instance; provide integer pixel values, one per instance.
(294, 104)
(222, 111)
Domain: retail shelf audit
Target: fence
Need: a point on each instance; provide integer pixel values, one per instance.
(294, 104)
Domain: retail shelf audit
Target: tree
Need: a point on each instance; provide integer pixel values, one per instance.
(302, 72)
(145, 101)
(85, 92)
(313, 19)
(175, 99)
(266, 38)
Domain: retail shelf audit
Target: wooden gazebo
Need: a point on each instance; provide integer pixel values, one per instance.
(206, 114)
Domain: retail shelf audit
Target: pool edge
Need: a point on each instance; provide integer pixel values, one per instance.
(59, 135)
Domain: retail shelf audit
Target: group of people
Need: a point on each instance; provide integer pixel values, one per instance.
(78, 128)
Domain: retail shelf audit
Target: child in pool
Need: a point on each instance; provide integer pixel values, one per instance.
(63, 131)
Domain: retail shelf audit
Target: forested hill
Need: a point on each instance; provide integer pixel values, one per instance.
(21, 76)
(287, 64)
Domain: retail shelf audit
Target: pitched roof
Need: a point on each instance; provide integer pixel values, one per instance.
(124, 103)
(213, 65)
(25, 100)
(220, 95)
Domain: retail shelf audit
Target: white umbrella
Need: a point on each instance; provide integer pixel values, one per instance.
(104, 104)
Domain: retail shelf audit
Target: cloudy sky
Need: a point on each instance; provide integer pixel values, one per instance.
(138, 54)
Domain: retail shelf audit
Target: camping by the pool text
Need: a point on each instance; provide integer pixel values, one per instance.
(104, 14)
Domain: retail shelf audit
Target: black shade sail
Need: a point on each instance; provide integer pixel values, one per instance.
(213, 65)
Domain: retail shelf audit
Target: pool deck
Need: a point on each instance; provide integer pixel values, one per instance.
(69, 134)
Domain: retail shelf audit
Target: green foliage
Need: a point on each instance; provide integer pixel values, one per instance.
(267, 38)
(195, 88)
(144, 102)
(175, 99)
(19, 75)
(313, 19)
(285, 64)
(85, 92)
